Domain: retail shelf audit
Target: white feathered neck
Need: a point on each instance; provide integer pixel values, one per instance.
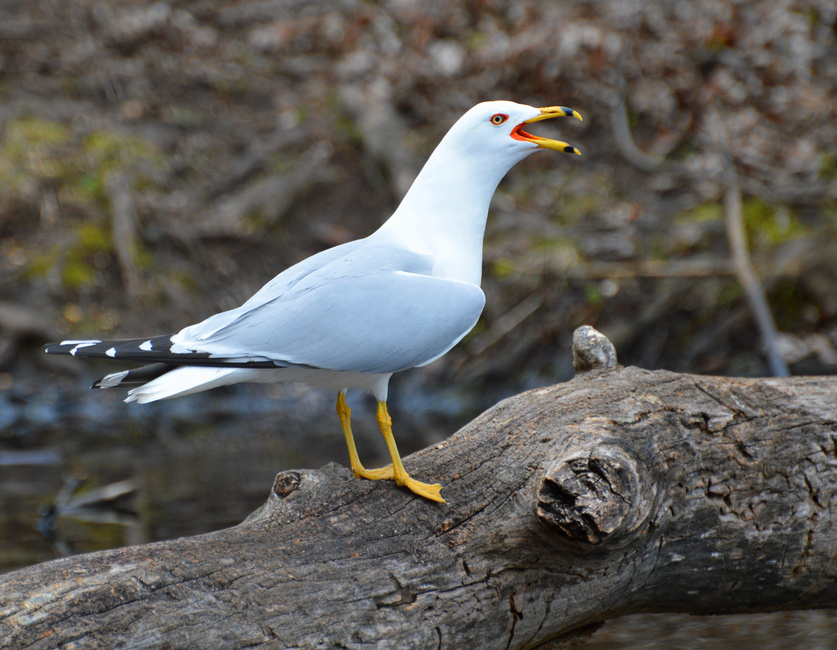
(444, 212)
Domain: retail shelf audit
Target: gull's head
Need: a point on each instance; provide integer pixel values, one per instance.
(456, 184)
(499, 129)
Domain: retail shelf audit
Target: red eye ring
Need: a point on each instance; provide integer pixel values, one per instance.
(498, 118)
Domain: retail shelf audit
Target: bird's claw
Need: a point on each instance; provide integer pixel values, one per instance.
(426, 490)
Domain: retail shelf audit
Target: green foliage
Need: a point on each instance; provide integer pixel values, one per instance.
(478, 330)
(579, 196)
(79, 269)
(730, 293)
(106, 152)
(503, 268)
(350, 130)
(34, 152)
(828, 167)
(770, 224)
(767, 224)
(76, 261)
(27, 155)
(39, 266)
(788, 304)
(593, 295)
(702, 213)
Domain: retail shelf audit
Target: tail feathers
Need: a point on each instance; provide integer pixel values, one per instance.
(158, 349)
(135, 377)
(186, 380)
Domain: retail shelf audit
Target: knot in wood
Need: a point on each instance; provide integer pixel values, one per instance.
(592, 351)
(285, 483)
(596, 499)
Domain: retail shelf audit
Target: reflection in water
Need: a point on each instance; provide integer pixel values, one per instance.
(196, 464)
(185, 468)
(175, 488)
(109, 504)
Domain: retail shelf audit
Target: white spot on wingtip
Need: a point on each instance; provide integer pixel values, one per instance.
(114, 379)
(145, 347)
(80, 344)
(83, 342)
(111, 352)
(179, 349)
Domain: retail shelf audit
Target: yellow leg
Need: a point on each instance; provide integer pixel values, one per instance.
(345, 415)
(395, 471)
(401, 477)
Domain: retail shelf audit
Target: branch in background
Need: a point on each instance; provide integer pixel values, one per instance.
(624, 140)
(683, 268)
(271, 197)
(24, 321)
(747, 276)
(124, 229)
(18, 322)
(507, 322)
(371, 106)
(254, 159)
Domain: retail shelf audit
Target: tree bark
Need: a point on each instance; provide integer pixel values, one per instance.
(621, 491)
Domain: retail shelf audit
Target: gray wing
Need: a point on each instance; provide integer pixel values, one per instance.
(278, 286)
(373, 310)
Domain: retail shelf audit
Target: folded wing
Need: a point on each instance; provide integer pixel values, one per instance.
(375, 309)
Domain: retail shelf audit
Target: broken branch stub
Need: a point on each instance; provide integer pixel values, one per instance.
(598, 496)
(593, 493)
(592, 351)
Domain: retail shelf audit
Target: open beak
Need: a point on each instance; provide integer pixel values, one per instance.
(547, 113)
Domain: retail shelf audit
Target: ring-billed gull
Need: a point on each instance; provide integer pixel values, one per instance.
(351, 316)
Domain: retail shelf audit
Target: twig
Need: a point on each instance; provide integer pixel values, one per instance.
(686, 268)
(506, 323)
(624, 140)
(123, 226)
(270, 196)
(740, 255)
(24, 321)
(747, 276)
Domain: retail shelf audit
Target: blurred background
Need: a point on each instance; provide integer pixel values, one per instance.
(160, 161)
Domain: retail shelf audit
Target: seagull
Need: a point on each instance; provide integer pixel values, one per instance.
(350, 316)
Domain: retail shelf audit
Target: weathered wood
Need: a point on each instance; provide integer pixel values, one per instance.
(621, 491)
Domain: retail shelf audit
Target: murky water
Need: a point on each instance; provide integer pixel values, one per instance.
(181, 468)
(180, 487)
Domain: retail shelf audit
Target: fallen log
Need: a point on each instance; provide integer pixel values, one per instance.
(619, 492)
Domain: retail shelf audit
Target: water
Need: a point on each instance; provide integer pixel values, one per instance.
(196, 464)
(182, 487)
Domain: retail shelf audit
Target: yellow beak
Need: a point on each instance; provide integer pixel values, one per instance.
(547, 113)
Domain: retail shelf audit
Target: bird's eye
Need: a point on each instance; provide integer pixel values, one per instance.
(498, 118)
